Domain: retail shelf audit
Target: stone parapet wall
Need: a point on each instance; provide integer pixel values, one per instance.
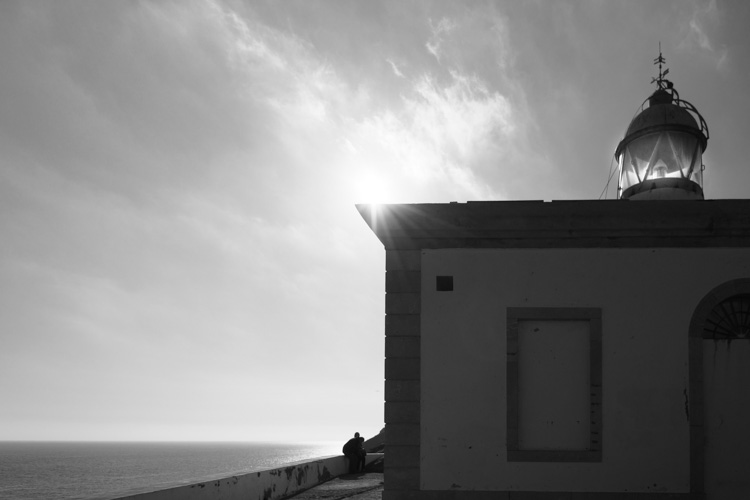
(270, 484)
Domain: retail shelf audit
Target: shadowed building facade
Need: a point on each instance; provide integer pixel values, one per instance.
(573, 349)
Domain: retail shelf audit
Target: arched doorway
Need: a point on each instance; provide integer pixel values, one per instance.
(719, 399)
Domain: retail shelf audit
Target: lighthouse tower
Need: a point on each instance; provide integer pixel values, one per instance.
(660, 157)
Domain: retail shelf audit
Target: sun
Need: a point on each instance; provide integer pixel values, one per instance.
(371, 188)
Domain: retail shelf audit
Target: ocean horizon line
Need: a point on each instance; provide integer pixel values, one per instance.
(177, 441)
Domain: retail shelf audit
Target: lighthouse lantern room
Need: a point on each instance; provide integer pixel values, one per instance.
(661, 156)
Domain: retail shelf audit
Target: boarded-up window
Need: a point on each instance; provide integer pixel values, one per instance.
(554, 384)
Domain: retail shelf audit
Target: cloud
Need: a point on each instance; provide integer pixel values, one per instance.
(438, 140)
(706, 20)
(395, 69)
(439, 30)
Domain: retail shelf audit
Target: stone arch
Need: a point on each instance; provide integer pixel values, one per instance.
(695, 404)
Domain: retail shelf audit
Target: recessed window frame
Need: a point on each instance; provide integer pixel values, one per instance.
(594, 316)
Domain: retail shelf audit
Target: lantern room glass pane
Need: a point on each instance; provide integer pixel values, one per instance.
(661, 155)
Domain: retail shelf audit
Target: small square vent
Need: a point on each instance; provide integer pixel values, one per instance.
(444, 283)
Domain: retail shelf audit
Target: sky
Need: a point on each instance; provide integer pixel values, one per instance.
(180, 253)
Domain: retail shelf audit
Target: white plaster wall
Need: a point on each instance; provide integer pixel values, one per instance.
(647, 298)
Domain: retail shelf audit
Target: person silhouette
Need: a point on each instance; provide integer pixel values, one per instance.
(353, 451)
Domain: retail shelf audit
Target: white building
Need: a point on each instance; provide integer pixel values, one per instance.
(577, 349)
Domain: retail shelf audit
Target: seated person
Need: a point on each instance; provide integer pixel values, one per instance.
(354, 450)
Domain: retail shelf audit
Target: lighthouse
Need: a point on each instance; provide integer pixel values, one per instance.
(526, 355)
(661, 156)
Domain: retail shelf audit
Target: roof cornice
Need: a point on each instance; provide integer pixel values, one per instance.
(561, 224)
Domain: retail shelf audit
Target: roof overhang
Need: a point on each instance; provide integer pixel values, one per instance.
(561, 224)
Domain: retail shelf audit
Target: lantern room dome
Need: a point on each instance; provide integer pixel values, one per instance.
(662, 113)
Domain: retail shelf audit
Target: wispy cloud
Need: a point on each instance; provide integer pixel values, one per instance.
(439, 30)
(395, 69)
(439, 138)
(706, 18)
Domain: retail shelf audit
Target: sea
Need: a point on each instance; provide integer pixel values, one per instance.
(104, 470)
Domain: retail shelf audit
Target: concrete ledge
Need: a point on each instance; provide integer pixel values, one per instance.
(270, 484)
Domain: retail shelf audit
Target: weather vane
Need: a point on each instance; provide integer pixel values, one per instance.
(660, 81)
